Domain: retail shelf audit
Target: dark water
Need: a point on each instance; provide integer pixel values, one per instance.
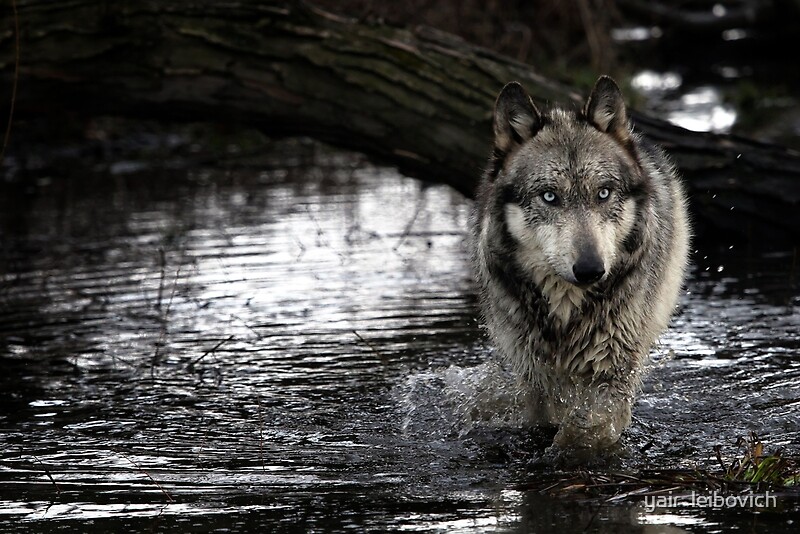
(298, 349)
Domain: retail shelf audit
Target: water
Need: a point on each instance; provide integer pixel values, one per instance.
(700, 109)
(298, 348)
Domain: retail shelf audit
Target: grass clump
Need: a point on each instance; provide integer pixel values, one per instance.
(755, 467)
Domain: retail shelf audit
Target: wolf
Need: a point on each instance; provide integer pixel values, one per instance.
(580, 239)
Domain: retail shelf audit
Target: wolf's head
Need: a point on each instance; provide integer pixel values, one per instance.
(566, 183)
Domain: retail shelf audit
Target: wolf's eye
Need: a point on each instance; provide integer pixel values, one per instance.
(549, 197)
(604, 193)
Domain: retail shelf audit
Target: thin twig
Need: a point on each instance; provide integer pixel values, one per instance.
(261, 435)
(164, 319)
(154, 481)
(163, 261)
(369, 345)
(14, 85)
(47, 472)
(210, 351)
(410, 224)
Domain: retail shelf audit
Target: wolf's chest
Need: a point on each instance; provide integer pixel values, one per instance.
(565, 328)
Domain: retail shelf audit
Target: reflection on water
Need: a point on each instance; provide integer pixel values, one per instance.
(700, 109)
(649, 82)
(635, 33)
(299, 348)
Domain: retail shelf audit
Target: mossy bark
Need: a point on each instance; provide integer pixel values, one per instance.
(417, 98)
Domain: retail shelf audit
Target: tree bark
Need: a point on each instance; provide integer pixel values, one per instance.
(417, 98)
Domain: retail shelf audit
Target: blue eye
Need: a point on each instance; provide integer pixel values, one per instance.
(549, 197)
(604, 193)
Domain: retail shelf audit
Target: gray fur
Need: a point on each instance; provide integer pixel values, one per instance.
(570, 196)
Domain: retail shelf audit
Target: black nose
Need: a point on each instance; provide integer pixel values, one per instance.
(588, 270)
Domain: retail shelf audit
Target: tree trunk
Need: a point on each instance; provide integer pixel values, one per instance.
(419, 98)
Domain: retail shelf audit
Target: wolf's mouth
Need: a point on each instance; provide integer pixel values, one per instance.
(585, 285)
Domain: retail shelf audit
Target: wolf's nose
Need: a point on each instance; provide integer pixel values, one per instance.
(588, 270)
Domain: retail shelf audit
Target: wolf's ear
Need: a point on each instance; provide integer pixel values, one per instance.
(516, 118)
(605, 109)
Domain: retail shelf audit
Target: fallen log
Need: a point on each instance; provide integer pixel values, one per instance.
(417, 98)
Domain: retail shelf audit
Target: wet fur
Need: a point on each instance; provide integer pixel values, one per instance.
(580, 350)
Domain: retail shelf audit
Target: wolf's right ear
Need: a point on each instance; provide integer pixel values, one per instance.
(516, 118)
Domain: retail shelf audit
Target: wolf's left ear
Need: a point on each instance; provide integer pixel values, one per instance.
(605, 109)
(516, 118)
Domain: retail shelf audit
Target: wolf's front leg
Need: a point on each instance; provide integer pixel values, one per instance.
(598, 418)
